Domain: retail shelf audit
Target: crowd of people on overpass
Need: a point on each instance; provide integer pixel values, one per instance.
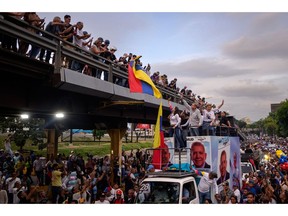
(75, 37)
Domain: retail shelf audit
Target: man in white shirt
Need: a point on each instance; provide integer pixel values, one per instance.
(102, 200)
(207, 180)
(208, 121)
(78, 40)
(236, 191)
(10, 182)
(3, 196)
(195, 118)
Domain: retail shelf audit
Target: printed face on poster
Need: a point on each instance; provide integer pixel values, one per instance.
(168, 154)
(223, 170)
(199, 152)
(235, 162)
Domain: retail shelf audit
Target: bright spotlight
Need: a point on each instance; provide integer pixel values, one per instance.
(59, 115)
(24, 116)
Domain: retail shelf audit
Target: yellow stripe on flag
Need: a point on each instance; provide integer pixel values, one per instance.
(157, 140)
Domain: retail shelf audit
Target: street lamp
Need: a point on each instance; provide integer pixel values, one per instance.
(24, 116)
(59, 115)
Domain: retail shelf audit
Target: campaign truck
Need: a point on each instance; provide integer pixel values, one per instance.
(220, 154)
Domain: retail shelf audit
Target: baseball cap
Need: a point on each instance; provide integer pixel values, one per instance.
(150, 167)
(85, 32)
(113, 48)
(107, 189)
(118, 192)
(102, 195)
(107, 42)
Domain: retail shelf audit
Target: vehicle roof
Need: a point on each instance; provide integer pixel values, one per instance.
(167, 179)
(245, 163)
(170, 176)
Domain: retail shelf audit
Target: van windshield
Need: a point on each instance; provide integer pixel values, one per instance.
(158, 192)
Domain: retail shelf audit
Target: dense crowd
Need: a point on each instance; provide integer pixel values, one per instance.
(29, 178)
(269, 183)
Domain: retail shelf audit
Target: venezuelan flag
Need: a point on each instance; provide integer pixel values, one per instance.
(140, 82)
(158, 141)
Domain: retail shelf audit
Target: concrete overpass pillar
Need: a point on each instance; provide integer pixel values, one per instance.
(52, 143)
(116, 133)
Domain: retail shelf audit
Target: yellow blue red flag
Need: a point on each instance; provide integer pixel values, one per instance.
(140, 82)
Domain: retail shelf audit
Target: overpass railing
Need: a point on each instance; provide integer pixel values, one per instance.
(65, 51)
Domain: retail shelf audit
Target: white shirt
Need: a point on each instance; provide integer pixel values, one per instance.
(76, 41)
(11, 184)
(16, 200)
(208, 116)
(77, 196)
(175, 120)
(8, 146)
(104, 202)
(237, 194)
(195, 118)
(205, 183)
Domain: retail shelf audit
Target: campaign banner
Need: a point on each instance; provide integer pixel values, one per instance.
(235, 162)
(223, 170)
(199, 152)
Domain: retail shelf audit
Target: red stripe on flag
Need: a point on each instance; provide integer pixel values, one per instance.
(158, 154)
(135, 84)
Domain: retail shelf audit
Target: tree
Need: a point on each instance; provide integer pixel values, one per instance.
(282, 118)
(98, 134)
(270, 124)
(24, 129)
(241, 124)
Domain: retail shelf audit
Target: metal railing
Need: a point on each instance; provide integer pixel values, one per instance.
(16, 28)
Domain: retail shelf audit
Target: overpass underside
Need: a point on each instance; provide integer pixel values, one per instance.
(31, 86)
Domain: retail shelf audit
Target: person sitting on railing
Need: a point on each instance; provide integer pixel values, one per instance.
(79, 41)
(53, 27)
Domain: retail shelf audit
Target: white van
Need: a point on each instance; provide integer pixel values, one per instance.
(169, 188)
